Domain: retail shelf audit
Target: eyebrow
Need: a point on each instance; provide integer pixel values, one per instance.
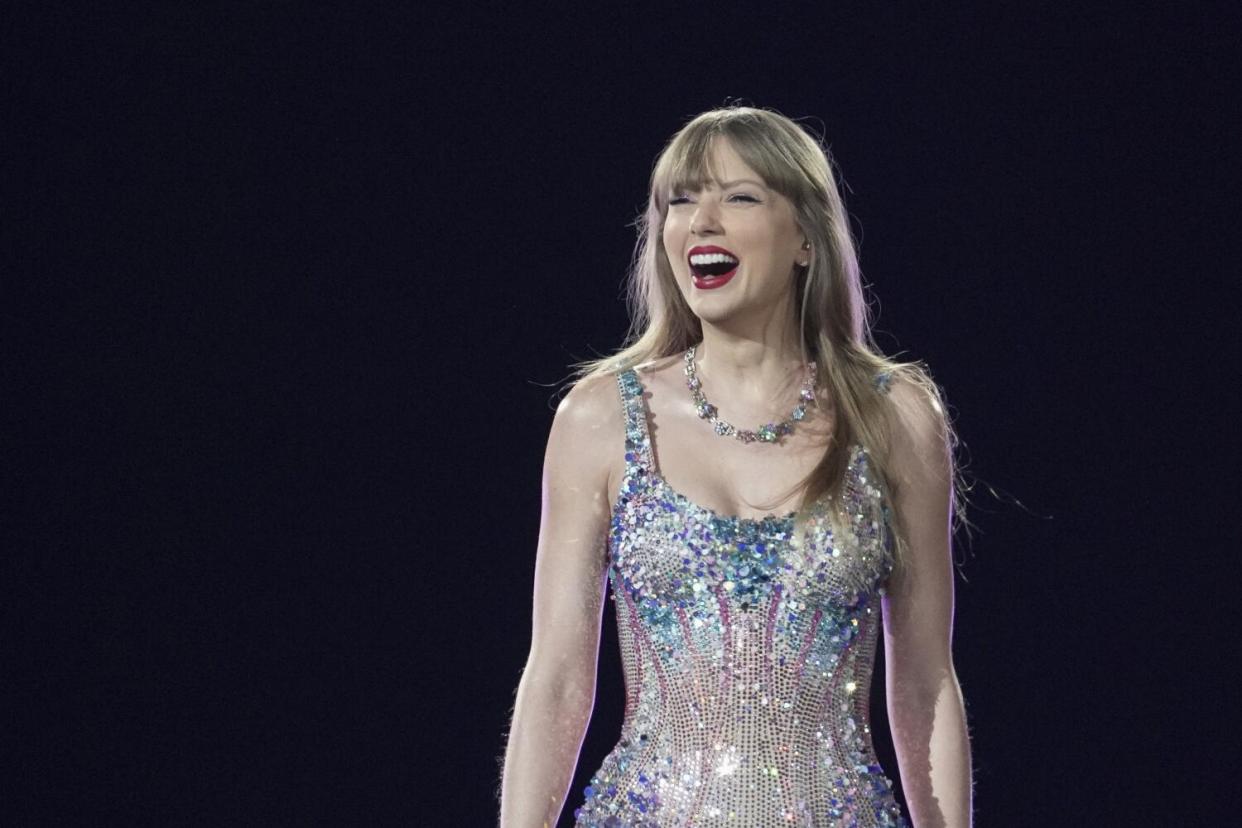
(724, 185)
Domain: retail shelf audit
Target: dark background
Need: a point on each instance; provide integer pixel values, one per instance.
(289, 292)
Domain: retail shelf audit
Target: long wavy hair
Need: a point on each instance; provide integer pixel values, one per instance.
(833, 314)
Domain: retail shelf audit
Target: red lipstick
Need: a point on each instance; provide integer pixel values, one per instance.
(714, 267)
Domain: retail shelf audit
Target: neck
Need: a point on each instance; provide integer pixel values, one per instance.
(756, 364)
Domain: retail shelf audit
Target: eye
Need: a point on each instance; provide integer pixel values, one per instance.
(678, 200)
(745, 197)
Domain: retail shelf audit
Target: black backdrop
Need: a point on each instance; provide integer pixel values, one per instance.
(289, 291)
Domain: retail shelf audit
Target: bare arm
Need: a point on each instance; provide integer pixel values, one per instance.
(556, 694)
(925, 702)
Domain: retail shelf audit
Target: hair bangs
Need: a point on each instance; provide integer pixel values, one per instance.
(688, 163)
(774, 159)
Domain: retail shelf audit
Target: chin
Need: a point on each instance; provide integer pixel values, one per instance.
(712, 311)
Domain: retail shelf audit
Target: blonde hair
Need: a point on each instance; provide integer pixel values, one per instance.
(834, 317)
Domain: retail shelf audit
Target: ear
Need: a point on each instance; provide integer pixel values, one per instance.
(805, 258)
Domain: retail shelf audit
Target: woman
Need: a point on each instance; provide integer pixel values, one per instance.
(762, 489)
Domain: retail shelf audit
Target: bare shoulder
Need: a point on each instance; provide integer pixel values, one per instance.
(592, 405)
(588, 431)
(915, 406)
(920, 432)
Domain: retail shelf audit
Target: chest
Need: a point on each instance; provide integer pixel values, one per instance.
(731, 478)
(668, 551)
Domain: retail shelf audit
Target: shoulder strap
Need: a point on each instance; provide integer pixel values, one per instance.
(637, 437)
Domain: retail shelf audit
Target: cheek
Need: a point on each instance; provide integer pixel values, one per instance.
(670, 244)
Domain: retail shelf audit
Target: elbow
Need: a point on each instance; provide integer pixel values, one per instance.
(919, 695)
(566, 693)
(922, 679)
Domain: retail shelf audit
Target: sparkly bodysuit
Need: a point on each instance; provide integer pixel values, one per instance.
(747, 658)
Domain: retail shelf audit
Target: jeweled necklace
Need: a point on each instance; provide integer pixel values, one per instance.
(769, 433)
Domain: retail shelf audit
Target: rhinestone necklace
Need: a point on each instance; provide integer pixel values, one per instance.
(769, 433)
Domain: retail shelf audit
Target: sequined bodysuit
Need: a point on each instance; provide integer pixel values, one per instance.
(747, 658)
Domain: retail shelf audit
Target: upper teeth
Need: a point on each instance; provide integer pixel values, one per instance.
(710, 258)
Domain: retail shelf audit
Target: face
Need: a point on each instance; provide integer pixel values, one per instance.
(732, 245)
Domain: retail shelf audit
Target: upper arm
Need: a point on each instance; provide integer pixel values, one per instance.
(570, 561)
(918, 605)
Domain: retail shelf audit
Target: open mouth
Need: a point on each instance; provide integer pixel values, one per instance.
(712, 266)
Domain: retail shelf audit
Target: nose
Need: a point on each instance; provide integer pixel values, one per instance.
(704, 220)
